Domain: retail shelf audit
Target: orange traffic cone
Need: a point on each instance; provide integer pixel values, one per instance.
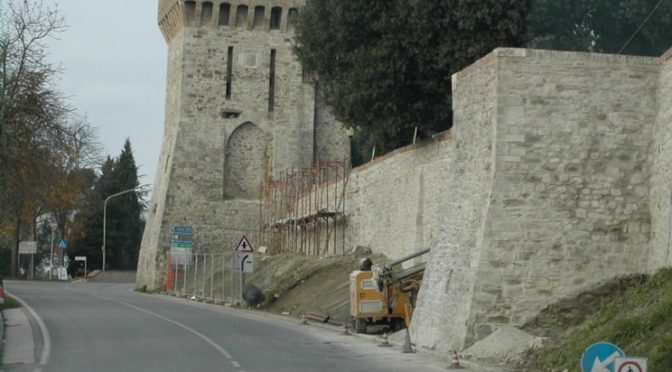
(385, 342)
(455, 362)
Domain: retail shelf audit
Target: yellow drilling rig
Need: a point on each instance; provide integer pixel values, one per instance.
(384, 295)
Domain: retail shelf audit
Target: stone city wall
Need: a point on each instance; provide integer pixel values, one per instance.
(397, 203)
(238, 109)
(565, 203)
(660, 254)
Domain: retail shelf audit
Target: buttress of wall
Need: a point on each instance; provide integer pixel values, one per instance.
(397, 204)
(445, 296)
(661, 176)
(569, 204)
(150, 255)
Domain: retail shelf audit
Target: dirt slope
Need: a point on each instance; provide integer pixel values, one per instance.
(297, 284)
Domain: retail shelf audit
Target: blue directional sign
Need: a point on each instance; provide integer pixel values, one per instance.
(600, 357)
(182, 230)
(62, 243)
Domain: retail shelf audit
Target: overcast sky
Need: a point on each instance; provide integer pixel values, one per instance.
(113, 61)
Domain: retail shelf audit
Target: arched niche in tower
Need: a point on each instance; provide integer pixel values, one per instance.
(246, 162)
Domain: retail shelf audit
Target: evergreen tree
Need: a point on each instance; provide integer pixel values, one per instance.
(386, 66)
(126, 213)
(124, 223)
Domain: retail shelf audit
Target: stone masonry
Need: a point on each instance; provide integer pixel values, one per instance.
(555, 177)
(238, 109)
(560, 180)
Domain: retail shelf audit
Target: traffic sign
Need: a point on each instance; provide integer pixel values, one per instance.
(80, 258)
(182, 244)
(244, 245)
(27, 247)
(243, 262)
(63, 244)
(600, 357)
(630, 364)
(182, 230)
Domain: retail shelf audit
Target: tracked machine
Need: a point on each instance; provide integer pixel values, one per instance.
(384, 295)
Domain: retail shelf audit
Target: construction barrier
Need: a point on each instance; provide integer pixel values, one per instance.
(200, 276)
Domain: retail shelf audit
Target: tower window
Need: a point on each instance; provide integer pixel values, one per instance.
(241, 15)
(206, 13)
(258, 17)
(292, 16)
(271, 83)
(276, 17)
(224, 14)
(189, 12)
(229, 72)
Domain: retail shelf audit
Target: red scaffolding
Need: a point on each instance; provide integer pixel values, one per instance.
(303, 210)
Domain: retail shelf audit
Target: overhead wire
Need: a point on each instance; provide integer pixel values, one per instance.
(640, 26)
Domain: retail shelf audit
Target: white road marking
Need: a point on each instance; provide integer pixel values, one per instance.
(183, 326)
(235, 364)
(46, 349)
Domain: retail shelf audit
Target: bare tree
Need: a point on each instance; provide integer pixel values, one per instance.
(43, 145)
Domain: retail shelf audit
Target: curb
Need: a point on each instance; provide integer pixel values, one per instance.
(2, 333)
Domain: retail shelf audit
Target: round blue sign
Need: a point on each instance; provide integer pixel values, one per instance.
(600, 357)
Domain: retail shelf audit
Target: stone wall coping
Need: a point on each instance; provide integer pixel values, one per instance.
(439, 137)
(666, 56)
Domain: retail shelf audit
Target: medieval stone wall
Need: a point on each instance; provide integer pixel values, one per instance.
(557, 175)
(397, 204)
(238, 110)
(566, 204)
(661, 172)
(444, 302)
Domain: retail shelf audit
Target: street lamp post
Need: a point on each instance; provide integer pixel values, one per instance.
(105, 217)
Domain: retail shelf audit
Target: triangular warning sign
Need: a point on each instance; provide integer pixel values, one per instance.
(244, 245)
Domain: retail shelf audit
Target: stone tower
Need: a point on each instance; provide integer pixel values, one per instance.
(238, 109)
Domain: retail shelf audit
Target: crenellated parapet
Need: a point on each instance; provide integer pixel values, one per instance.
(261, 16)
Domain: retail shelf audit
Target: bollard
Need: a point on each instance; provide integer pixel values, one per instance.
(455, 362)
(304, 320)
(345, 329)
(385, 342)
(2, 292)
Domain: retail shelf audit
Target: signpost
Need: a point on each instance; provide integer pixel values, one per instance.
(181, 247)
(630, 364)
(600, 357)
(28, 247)
(181, 244)
(242, 262)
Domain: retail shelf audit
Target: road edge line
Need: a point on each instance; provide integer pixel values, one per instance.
(46, 338)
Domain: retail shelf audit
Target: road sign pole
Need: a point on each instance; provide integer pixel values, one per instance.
(205, 258)
(175, 278)
(212, 275)
(185, 274)
(195, 272)
(51, 257)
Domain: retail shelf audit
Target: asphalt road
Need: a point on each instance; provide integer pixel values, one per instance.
(108, 327)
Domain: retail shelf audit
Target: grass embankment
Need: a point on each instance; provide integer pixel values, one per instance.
(640, 322)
